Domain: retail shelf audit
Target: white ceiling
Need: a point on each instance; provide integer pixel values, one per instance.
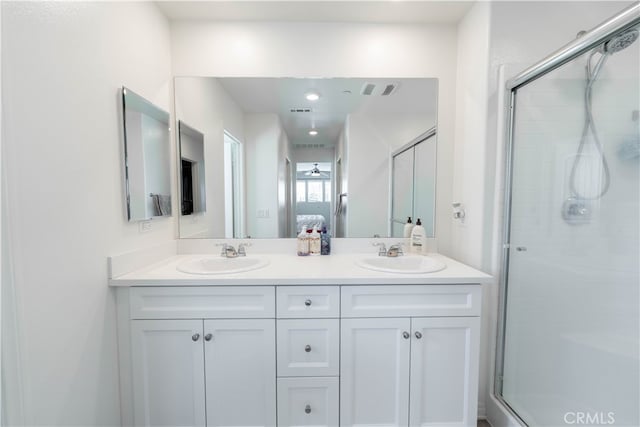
(401, 12)
(328, 115)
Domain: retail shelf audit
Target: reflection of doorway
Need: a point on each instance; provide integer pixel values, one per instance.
(187, 170)
(313, 196)
(288, 199)
(233, 194)
(340, 203)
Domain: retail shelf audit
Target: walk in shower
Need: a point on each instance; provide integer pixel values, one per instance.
(568, 350)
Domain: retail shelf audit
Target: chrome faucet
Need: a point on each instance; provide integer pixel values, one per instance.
(395, 250)
(228, 251)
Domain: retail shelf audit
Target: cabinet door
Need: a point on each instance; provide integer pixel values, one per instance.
(240, 366)
(374, 372)
(444, 371)
(168, 372)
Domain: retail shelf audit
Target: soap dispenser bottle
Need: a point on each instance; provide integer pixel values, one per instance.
(408, 228)
(303, 242)
(418, 238)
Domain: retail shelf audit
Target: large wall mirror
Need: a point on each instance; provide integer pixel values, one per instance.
(147, 152)
(282, 154)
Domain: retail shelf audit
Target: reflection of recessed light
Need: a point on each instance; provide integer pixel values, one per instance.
(312, 96)
(313, 132)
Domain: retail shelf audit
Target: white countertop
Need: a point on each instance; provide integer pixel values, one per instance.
(294, 270)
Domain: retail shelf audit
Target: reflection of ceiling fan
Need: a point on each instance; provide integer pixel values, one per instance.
(314, 171)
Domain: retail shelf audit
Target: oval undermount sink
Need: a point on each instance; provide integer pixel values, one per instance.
(407, 264)
(221, 265)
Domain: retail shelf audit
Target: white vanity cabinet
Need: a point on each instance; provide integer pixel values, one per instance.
(216, 370)
(392, 355)
(409, 355)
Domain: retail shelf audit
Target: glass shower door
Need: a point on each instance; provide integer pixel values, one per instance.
(571, 325)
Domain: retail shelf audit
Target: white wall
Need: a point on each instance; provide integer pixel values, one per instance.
(333, 50)
(263, 136)
(63, 64)
(470, 172)
(203, 104)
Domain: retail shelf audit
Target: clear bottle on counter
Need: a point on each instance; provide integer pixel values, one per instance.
(303, 242)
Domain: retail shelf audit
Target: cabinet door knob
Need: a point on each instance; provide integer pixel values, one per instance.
(208, 337)
(307, 409)
(307, 302)
(307, 348)
(195, 337)
(418, 335)
(406, 335)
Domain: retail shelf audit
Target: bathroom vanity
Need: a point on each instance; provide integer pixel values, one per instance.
(303, 341)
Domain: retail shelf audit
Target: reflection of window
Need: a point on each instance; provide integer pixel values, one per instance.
(313, 190)
(301, 191)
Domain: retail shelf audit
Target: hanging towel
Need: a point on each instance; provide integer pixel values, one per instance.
(161, 204)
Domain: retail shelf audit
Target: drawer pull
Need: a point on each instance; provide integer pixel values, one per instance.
(307, 348)
(418, 335)
(195, 337)
(307, 302)
(406, 335)
(307, 409)
(208, 337)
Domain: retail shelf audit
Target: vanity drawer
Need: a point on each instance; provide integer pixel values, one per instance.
(209, 302)
(308, 402)
(308, 347)
(308, 301)
(410, 300)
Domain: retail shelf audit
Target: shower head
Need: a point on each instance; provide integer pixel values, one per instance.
(620, 41)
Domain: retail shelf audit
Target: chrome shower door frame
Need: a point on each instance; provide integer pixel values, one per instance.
(626, 19)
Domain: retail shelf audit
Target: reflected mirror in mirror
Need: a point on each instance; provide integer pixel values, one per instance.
(283, 153)
(147, 158)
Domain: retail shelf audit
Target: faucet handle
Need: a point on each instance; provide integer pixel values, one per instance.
(383, 248)
(241, 248)
(223, 252)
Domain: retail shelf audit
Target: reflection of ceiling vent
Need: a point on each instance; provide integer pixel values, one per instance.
(382, 90)
(389, 89)
(367, 89)
(301, 110)
(309, 145)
